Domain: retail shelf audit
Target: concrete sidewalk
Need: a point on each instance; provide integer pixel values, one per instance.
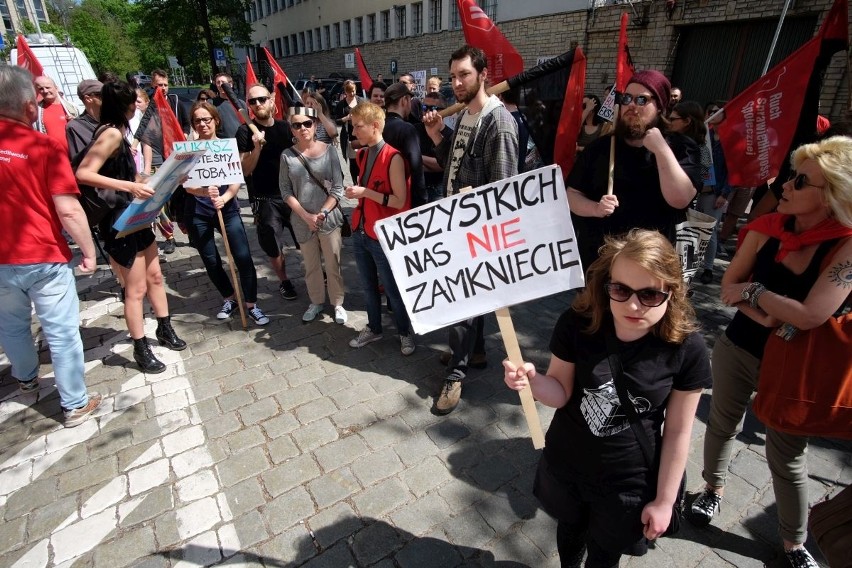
(282, 446)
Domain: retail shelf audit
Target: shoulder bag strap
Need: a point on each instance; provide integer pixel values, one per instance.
(313, 176)
(626, 403)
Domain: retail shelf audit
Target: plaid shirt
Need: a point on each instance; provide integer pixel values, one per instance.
(492, 151)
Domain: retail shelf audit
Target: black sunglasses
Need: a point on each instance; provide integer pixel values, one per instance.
(432, 107)
(258, 100)
(640, 100)
(203, 98)
(648, 297)
(297, 125)
(799, 181)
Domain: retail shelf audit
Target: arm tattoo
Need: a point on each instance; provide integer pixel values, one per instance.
(841, 274)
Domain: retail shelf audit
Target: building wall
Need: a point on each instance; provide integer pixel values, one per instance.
(12, 17)
(653, 45)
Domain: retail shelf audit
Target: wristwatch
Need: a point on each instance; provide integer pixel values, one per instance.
(325, 212)
(752, 292)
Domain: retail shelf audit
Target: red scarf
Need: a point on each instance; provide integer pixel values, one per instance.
(773, 225)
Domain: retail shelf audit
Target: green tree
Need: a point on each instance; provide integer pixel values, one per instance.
(99, 28)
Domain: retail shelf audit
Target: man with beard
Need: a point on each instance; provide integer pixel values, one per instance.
(260, 155)
(483, 149)
(656, 176)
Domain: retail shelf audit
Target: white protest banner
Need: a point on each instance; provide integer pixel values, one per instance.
(220, 165)
(419, 83)
(498, 245)
(140, 214)
(607, 110)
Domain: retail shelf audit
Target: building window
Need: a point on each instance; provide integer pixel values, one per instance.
(371, 27)
(294, 39)
(302, 42)
(490, 8)
(310, 40)
(455, 18)
(400, 21)
(417, 18)
(290, 3)
(318, 35)
(435, 15)
(335, 39)
(358, 31)
(279, 47)
(268, 7)
(327, 34)
(386, 29)
(347, 33)
(286, 42)
(253, 13)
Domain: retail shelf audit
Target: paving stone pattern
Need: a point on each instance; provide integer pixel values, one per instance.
(281, 446)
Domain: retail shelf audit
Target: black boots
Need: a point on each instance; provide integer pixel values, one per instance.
(166, 335)
(145, 357)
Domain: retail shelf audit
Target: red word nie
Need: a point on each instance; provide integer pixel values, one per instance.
(495, 237)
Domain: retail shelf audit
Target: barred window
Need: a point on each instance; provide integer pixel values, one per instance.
(435, 15)
(371, 27)
(386, 29)
(417, 18)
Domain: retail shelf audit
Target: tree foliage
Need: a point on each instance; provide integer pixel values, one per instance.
(127, 36)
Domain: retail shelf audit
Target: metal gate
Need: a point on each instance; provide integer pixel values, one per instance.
(718, 61)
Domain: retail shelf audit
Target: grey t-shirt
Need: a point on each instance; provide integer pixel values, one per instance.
(294, 180)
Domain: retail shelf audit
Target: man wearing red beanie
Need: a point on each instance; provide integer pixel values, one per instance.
(657, 174)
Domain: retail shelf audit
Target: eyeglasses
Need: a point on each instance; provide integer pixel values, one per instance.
(799, 181)
(298, 125)
(640, 100)
(203, 98)
(258, 100)
(648, 297)
(432, 107)
(203, 120)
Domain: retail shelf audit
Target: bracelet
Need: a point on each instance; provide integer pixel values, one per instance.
(759, 289)
(385, 199)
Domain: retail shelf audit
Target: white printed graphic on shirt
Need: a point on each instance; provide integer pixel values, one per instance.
(465, 128)
(602, 410)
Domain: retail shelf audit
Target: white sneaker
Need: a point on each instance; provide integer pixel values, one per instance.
(313, 311)
(406, 344)
(366, 336)
(340, 315)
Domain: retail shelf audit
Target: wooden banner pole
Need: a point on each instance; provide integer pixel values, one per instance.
(233, 270)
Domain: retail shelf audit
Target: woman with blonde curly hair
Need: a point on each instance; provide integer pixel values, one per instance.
(792, 272)
(607, 487)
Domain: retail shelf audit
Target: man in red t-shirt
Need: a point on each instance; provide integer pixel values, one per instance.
(54, 113)
(40, 198)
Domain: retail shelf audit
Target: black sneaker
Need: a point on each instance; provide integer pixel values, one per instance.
(227, 309)
(706, 276)
(169, 246)
(287, 291)
(704, 508)
(800, 558)
(258, 316)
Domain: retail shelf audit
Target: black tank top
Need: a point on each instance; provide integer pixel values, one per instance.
(746, 333)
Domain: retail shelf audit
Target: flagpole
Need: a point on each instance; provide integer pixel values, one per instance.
(610, 182)
(234, 278)
(775, 39)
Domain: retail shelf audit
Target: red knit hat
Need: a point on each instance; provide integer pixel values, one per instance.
(657, 83)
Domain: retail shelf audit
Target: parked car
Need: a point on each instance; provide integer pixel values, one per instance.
(142, 80)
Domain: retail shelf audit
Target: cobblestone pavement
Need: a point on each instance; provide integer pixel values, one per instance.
(282, 446)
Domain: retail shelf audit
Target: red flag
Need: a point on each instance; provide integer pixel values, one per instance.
(251, 78)
(363, 74)
(623, 64)
(279, 85)
(571, 117)
(776, 113)
(27, 59)
(479, 31)
(171, 127)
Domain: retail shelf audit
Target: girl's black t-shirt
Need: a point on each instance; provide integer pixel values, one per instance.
(590, 438)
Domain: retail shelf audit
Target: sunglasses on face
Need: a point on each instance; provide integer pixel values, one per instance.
(432, 107)
(299, 125)
(800, 181)
(258, 100)
(648, 297)
(640, 100)
(203, 120)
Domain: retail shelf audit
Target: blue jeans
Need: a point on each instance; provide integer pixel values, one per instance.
(202, 236)
(373, 265)
(51, 288)
(706, 204)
